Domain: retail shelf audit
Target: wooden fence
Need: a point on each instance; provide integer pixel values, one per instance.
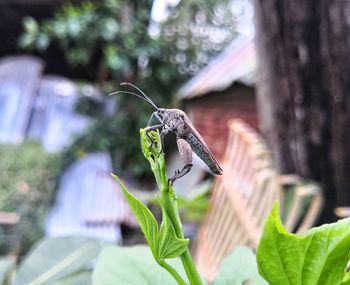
(243, 196)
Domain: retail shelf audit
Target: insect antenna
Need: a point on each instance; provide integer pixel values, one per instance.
(144, 95)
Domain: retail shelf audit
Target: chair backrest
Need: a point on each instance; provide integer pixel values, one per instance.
(241, 199)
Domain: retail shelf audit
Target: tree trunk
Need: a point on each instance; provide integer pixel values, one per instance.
(304, 90)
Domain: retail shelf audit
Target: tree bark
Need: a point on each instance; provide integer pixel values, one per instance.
(304, 90)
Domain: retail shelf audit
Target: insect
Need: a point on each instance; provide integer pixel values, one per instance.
(187, 137)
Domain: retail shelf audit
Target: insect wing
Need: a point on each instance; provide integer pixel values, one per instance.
(199, 137)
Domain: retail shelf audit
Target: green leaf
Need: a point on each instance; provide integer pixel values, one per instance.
(30, 25)
(318, 256)
(57, 258)
(79, 278)
(169, 245)
(346, 279)
(132, 266)
(145, 146)
(152, 150)
(240, 266)
(143, 215)
(151, 145)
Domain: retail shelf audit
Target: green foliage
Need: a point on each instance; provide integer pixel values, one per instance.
(110, 38)
(70, 261)
(89, 106)
(198, 30)
(143, 215)
(194, 209)
(169, 245)
(27, 187)
(152, 150)
(131, 266)
(120, 33)
(112, 32)
(319, 256)
(65, 261)
(316, 257)
(346, 280)
(239, 267)
(123, 265)
(79, 278)
(168, 241)
(113, 40)
(163, 243)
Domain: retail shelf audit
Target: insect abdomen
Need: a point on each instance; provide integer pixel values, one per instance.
(201, 151)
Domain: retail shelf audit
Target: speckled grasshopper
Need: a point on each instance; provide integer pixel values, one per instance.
(187, 137)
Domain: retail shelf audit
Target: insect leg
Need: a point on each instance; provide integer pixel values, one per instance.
(150, 119)
(180, 173)
(185, 152)
(153, 128)
(163, 133)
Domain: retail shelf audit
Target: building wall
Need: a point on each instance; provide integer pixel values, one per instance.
(211, 112)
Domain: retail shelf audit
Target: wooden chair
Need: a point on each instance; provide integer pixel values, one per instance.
(243, 196)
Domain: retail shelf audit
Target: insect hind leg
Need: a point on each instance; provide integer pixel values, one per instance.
(180, 173)
(185, 152)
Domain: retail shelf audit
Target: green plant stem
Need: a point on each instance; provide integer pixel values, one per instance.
(190, 268)
(170, 207)
(173, 272)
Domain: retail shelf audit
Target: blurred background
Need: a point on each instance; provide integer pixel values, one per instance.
(283, 68)
(61, 135)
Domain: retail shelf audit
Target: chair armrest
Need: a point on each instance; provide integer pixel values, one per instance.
(342, 212)
(289, 179)
(293, 221)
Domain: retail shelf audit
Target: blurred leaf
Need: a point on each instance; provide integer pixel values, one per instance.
(113, 60)
(57, 258)
(319, 256)
(239, 267)
(195, 208)
(27, 187)
(79, 278)
(7, 266)
(42, 42)
(132, 266)
(30, 25)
